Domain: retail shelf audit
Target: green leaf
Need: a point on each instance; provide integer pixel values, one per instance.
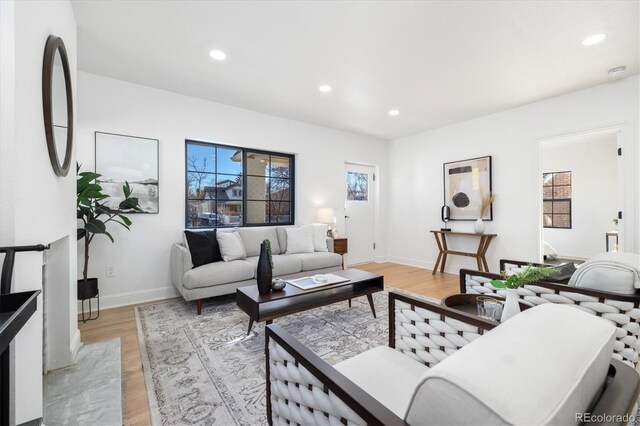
(129, 204)
(125, 219)
(126, 189)
(81, 233)
(109, 235)
(498, 283)
(96, 226)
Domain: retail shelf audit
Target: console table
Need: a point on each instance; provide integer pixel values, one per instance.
(441, 239)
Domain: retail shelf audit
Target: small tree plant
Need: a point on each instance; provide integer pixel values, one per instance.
(94, 213)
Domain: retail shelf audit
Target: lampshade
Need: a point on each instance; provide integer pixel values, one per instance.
(326, 215)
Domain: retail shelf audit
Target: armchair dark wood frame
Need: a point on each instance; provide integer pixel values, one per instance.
(617, 398)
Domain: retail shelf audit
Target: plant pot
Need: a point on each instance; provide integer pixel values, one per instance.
(88, 289)
(478, 226)
(264, 273)
(511, 305)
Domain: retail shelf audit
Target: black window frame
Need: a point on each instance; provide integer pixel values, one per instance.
(243, 151)
(553, 199)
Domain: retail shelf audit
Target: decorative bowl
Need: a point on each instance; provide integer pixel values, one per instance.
(320, 279)
(278, 284)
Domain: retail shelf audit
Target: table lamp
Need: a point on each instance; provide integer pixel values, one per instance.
(327, 216)
(446, 216)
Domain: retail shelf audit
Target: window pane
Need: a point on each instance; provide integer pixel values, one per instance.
(561, 192)
(547, 207)
(230, 213)
(561, 207)
(280, 212)
(357, 186)
(257, 164)
(280, 189)
(201, 158)
(257, 188)
(280, 167)
(200, 186)
(201, 214)
(547, 179)
(547, 192)
(226, 181)
(547, 221)
(229, 161)
(561, 221)
(257, 212)
(563, 178)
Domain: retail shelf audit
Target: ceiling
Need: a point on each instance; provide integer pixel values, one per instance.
(437, 62)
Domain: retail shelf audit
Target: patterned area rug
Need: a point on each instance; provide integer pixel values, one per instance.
(204, 370)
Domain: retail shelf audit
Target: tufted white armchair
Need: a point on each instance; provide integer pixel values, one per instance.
(446, 367)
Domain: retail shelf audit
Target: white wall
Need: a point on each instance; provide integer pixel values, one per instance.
(592, 161)
(40, 207)
(141, 257)
(512, 137)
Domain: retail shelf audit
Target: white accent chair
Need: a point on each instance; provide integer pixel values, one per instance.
(622, 310)
(547, 365)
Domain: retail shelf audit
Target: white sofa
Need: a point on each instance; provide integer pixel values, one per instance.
(218, 278)
(548, 365)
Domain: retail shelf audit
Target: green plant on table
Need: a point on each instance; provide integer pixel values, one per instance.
(529, 275)
(267, 247)
(95, 214)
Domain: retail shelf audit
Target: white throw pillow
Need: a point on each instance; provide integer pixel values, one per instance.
(231, 247)
(320, 237)
(300, 240)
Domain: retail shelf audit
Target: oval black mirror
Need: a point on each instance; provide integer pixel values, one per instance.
(57, 99)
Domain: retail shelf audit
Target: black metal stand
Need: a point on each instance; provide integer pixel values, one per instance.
(89, 317)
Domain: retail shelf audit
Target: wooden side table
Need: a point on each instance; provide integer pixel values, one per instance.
(441, 240)
(341, 247)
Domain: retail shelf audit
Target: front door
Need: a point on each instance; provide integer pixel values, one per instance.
(359, 213)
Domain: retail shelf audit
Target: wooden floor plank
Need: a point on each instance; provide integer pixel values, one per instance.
(121, 322)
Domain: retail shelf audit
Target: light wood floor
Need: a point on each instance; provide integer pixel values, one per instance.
(120, 322)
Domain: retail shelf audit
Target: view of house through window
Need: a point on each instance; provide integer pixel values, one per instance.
(556, 203)
(357, 186)
(229, 186)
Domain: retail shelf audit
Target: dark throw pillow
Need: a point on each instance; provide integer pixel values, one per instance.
(564, 273)
(203, 246)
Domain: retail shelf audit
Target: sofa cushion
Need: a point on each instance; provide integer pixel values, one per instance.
(542, 366)
(320, 237)
(318, 260)
(617, 272)
(392, 385)
(231, 247)
(253, 237)
(218, 273)
(203, 247)
(300, 240)
(282, 237)
(282, 264)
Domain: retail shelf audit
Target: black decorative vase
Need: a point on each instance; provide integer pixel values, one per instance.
(264, 274)
(87, 290)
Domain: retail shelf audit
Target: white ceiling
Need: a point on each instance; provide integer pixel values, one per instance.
(438, 62)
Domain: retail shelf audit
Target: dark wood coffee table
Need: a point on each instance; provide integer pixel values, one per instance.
(291, 299)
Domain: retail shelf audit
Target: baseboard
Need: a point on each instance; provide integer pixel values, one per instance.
(418, 263)
(135, 297)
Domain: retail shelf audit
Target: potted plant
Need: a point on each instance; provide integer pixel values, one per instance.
(511, 283)
(95, 215)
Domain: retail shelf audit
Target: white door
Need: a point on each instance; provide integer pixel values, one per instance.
(359, 213)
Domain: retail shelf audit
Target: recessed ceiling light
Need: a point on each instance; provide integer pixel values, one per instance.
(325, 88)
(218, 55)
(594, 39)
(394, 112)
(617, 71)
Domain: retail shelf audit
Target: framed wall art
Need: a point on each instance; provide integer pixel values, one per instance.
(121, 158)
(466, 182)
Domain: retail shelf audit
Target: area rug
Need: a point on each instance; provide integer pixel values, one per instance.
(205, 370)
